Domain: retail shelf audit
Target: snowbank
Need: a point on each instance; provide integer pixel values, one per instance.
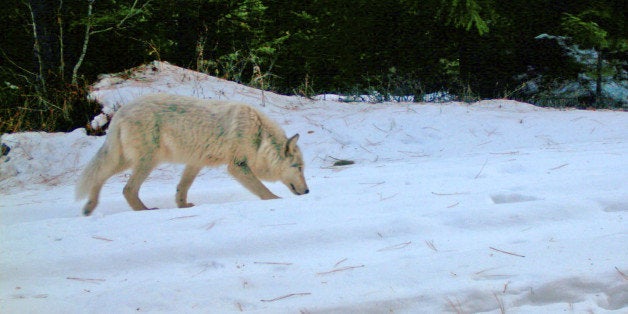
(495, 207)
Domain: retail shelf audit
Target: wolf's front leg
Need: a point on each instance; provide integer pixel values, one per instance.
(132, 187)
(189, 174)
(241, 172)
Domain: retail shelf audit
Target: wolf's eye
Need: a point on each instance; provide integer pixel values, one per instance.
(298, 166)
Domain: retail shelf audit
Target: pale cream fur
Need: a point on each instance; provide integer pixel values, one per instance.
(162, 128)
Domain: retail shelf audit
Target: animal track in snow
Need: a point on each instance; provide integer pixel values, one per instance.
(615, 206)
(609, 296)
(507, 198)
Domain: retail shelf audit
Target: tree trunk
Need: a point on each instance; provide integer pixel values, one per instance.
(46, 43)
(598, 85)
(88, 28)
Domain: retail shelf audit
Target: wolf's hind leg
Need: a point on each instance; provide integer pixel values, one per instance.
(94, 194)
(96, 186)
(132, 187)
(189, 174)
(242, 173)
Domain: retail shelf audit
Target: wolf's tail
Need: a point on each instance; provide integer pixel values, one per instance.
(102, 166)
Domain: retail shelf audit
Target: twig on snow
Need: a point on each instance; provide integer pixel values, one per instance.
(449, 194)
(413, 154)
(339, 269)
(382, 198)
(374, 184)
(340, 262)
(272, 263)
(558, 167)
(182, 217)
(395, 247)
(505, 252)
(286, 296)
(453, 205)
(86, 279)
(482, 169)
(431, 245)
(210, 225)
(101, 238)
(516, 152)
(506, 287)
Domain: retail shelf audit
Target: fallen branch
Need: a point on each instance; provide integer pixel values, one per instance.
(339, 269)
(286, 296)
(505, 252)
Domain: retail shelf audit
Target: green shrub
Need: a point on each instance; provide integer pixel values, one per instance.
(23, 108)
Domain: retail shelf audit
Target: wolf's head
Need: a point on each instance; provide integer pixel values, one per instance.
(292, 167)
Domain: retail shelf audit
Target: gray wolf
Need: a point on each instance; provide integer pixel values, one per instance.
(163, 128)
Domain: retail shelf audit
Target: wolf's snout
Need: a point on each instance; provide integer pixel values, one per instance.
(295, 191)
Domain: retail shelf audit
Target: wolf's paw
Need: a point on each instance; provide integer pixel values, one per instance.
(186, 205)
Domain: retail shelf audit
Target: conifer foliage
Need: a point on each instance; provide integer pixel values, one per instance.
(52, 49)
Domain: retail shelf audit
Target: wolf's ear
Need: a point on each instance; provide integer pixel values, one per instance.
(291, 145)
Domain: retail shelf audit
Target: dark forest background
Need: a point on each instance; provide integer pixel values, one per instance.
(51, 50)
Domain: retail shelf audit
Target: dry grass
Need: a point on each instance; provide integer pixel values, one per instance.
(455, 306)
(500, 303)
(60, 110)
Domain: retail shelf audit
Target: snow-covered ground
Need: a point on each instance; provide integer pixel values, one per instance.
(494, 207)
